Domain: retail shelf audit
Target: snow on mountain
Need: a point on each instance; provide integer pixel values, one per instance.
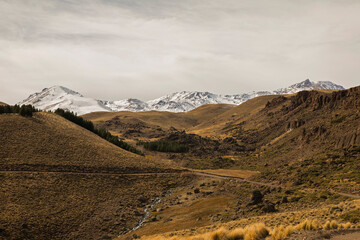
(130, 104)
(61, 97)
(185, 101)
(309, 85)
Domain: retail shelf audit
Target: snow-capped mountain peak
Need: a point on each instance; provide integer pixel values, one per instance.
(309, 85)
(49, 99)
(62, 97)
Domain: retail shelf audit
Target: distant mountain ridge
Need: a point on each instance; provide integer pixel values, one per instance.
(62, 97)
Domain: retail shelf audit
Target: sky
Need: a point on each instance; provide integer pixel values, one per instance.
(117, 49)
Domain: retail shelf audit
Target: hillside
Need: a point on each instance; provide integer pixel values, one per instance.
(154, 124)
(306, 148)
(60, 181)
(2, 103)
(48, 141)
(267, 130)
(215, 126)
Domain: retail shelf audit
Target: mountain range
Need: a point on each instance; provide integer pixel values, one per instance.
(62, 97)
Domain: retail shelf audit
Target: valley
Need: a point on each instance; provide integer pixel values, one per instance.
(286, 161)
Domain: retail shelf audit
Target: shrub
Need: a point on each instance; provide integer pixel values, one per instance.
(351, 216)
(236, 234)
(308, 225)
(256, 231)
(219, 234)
(347, 225)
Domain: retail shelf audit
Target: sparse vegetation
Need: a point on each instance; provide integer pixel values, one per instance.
(165, 146)
(352, 216)
(305, 170)
(258, 231)
(102, 132)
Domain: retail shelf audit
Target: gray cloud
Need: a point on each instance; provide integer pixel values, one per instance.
(111, 49)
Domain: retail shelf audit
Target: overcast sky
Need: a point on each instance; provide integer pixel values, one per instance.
(116, 49)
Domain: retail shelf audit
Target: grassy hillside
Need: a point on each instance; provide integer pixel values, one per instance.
(60, 181)
(49, 142)
(214, 126)
(154, 124)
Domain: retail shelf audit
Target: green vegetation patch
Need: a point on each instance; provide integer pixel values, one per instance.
(165, 146)
(24, 110)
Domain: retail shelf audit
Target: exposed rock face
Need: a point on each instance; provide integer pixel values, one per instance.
(316, 100)
(276, 102)
(295, 124)
(349, 139)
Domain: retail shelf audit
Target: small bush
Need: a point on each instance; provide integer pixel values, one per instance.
(326, 226)
(351, 216)
(256, 231)
(236, 234)
(219, 234)
(334, 225)
(347, 225)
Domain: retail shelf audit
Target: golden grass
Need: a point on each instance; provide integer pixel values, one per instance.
(216, 125)
(185, 216)
(164, 119)
(253, 232)
(246, 229)
(257, 231)
(47, 139)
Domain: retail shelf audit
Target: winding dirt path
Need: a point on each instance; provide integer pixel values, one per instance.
(93, 173)
(213, 175)
(199, 173)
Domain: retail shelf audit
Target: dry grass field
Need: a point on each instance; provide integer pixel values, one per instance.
(154, 124)
(49, 142)
(75, 206)
(60, 181)
(215, 126)
(302, 224)
(230, 172)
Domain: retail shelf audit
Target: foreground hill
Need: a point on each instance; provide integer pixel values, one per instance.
(49, 142)
(60, 181)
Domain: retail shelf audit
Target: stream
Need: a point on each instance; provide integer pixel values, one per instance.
(147, 211)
